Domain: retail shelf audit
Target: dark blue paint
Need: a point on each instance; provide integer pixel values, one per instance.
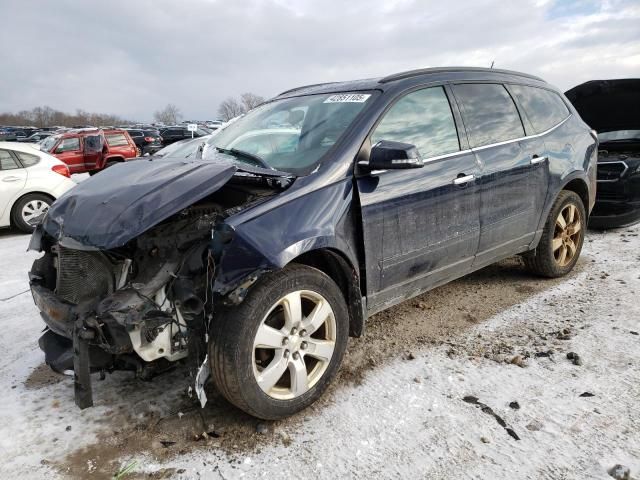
(401, 231)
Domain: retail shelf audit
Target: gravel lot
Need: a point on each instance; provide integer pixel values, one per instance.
(429, 391)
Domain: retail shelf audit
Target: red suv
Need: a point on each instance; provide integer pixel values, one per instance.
(90, 150)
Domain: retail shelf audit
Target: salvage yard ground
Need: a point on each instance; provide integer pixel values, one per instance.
(471, 380)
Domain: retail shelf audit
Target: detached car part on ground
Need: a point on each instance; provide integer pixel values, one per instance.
(323, 206)
(612, 108)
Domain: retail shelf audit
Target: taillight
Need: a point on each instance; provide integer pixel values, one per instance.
(61, 170)
(149, 139)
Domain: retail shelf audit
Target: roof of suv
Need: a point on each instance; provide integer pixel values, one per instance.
(87, 131)
(436, 74)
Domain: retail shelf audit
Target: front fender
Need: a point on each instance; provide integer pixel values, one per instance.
(320, 219)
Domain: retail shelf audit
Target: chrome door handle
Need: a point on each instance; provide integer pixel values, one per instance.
(463, 180)
(536, 160)
(11, 179)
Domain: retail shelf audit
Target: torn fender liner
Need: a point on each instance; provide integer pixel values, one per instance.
(123, 201)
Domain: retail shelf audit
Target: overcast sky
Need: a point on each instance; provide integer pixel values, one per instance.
(131, 58)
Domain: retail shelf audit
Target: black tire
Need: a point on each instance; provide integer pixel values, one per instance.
(542, 261)
(231, 349)
(16, 211)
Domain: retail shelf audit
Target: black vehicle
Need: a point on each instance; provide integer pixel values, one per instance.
(174, 134)
(148, 141)
(275, 244)
(36, 137)
(612, 108)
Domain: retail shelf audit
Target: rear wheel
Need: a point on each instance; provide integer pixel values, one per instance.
(562, 238)
(27, 211)
(275, 353)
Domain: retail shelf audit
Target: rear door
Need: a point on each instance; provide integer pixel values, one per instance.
(12, 180)
(513, 183)
(93, 146)
(421, 226)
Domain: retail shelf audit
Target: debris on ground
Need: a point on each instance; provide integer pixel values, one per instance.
(620, 472)
(489, 411)
(575, 358)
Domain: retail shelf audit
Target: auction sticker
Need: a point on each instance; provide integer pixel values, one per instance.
(348, 98)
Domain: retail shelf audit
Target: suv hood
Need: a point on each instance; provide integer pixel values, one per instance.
(123, 201)
(608, 105)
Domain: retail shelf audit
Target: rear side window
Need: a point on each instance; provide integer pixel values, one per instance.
(117, 139)
(544, 109)
(422, 118)
(489, 113)
(27, 159)
(7, 162)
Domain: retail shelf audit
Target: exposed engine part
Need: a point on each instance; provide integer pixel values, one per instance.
(168, 340)
(124, 273)
(83, 275)
(185, 297)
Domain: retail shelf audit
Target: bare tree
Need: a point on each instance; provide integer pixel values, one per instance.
(250, 100)
(230, 108)
(47, 116)
(169, 115)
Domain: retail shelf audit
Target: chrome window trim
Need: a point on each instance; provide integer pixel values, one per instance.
(519, 139)
(474, 149)
(626, 168)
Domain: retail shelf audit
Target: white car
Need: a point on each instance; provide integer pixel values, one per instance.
(30, 180)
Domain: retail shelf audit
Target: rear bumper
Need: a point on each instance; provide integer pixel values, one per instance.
(151, 149)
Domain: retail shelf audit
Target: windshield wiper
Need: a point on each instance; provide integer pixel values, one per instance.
(242, 154)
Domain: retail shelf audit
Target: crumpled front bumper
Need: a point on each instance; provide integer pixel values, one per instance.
(58, 315)
(68, 343)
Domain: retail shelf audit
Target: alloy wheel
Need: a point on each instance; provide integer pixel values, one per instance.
(294, 344)
(566, 238)
(33, 210)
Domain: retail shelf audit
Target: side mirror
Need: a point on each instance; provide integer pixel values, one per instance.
(387, 155)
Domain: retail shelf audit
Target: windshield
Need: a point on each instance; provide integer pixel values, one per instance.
(182, 149)
(48, 143)
(619, 135)
(291, 134)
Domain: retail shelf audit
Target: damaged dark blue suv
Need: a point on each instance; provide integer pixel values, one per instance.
(255, 260)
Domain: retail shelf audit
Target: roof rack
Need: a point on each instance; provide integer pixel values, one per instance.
(305, 86)
(426, 71)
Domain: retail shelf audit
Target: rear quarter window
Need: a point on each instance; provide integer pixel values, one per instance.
(117, 140)
(544, 109)
(489, 114)
(27, 159)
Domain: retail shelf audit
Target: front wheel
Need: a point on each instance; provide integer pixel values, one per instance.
(562, 238)
(276, 353)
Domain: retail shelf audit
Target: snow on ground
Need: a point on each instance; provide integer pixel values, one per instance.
(406, 418)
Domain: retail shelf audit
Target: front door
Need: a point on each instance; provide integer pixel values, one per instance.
(69, 151)
(12, 180)
(421, 226)
(513, 183)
